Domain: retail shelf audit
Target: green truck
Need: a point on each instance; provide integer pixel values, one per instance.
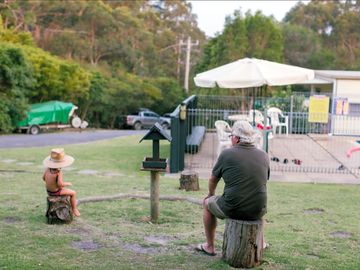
(48, 115)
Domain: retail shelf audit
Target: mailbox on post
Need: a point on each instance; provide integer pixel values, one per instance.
(155, 165)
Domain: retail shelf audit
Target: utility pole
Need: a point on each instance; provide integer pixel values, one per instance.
(178, 68)
(187, 62)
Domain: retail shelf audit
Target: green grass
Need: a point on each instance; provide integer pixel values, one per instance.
(303, 220)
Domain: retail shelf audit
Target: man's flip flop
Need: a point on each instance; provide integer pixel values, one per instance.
(201, 249)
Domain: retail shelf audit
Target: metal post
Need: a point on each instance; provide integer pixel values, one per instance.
(182, 143)
(154, 196)
(334, 95)
(265, 132)
(291, 113)
(175, 145)
(187, 65)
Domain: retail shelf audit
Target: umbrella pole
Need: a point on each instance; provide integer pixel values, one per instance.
(254, 106)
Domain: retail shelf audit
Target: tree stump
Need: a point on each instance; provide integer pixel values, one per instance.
(243, 243)
(59, 210)
(189, 180)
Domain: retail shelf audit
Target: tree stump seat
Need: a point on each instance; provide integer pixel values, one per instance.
(243, 243)
(59, 210)
(189, 180)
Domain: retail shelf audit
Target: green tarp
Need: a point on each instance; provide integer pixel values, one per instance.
(48, 112)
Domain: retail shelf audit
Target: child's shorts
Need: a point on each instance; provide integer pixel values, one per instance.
(54, 193)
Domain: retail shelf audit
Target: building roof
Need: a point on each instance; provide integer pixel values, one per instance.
(317, 80)
(337, 74)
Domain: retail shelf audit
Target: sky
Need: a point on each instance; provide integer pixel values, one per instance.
(211, 14)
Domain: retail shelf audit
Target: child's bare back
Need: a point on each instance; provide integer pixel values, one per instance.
(50, 177)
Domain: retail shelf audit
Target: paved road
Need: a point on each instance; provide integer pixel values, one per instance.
(60, 138)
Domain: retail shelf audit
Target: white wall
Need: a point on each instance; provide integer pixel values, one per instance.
(348, 89)
(347, 125)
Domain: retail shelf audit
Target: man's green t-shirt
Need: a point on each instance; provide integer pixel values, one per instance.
(245, 170)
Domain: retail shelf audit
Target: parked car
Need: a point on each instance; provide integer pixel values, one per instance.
(167, 115)
(49, 115)
(146, 119)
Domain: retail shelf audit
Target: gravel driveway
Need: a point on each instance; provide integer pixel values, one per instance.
(60, 138)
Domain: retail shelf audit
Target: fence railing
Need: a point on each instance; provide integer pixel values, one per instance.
(310, 147)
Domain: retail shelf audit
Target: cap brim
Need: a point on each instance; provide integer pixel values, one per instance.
(68, 160)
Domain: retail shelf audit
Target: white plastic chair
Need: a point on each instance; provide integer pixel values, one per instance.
(223, 130)
(259, 123)
(259, 118)
(275, 115)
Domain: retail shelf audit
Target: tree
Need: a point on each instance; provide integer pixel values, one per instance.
(28, 74)
(126, 50)
(171, 95)
(12, 36)
(318, 16)
(346, 40)
(56, 78)
(15, 85)
(322, 59)
(91, 104)
(252, 36)
(303, 48)
(235, 36)
(335, 24)
(265, 39)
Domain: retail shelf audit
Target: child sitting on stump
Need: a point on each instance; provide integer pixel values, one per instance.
(53, 176)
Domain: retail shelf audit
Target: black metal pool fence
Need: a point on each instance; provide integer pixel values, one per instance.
(319, 147)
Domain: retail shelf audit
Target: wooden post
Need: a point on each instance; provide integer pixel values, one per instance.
(59, 210)
(154, 196)
(156, 150)
(243, 243)
(189, 180)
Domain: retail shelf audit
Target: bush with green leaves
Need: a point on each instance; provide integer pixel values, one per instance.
(16, 79)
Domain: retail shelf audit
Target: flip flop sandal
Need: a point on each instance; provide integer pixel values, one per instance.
(201, 249)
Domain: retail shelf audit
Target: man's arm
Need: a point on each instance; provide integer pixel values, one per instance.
(213, 181)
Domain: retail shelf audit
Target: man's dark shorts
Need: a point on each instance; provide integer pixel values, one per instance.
(214, 208)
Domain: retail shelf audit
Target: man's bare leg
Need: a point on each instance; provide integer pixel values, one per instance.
(210, 223)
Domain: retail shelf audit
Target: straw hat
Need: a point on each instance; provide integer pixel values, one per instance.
(58, 159)
(244, 131)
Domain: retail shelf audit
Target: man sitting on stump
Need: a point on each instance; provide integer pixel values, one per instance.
(245, 170)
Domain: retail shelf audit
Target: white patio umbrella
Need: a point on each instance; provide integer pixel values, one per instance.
(252, 72)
